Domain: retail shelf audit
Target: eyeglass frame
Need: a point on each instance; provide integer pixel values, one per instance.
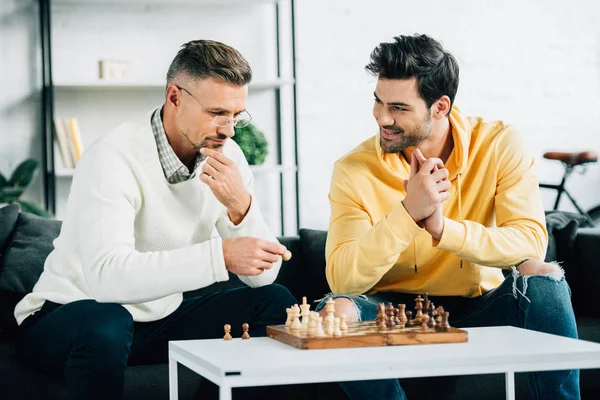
(216, 118)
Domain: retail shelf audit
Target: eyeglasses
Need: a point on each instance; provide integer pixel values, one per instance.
(242, 120)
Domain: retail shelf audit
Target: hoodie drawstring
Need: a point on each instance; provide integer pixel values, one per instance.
(415, 255)
(459, 179)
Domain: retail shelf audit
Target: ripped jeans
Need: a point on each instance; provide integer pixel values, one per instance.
(541, 303)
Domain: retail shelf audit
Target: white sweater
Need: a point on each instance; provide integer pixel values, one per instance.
(130, 237)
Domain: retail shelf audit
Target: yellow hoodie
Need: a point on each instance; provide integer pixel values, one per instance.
(493, 219)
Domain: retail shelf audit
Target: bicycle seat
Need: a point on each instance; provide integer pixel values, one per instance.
(572, 158)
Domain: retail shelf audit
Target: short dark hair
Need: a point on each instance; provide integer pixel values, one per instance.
(207, 58)
(421, 57)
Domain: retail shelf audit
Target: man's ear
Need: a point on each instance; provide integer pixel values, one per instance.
(441, 107)
(173, 96)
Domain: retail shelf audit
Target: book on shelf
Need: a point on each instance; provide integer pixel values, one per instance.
(76, 137)
(69, 140)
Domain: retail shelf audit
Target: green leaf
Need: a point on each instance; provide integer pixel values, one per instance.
(253, 144)
(3, 181)
(24, 173)
(9, 194)
(34, 209)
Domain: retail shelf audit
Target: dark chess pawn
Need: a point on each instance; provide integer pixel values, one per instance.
(397, 316)
(245, 328)
(409, 320)
(389, 311)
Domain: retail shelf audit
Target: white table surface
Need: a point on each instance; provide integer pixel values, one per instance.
(265, 361)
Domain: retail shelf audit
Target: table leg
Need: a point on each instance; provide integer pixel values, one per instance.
(224, 392)
(510, 386)
(173, 383)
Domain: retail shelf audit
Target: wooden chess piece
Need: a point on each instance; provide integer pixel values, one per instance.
(312, 323)
(287, 255)
(337, 332)
(288, 321)
(439, 316)
(343, 325)
(319, 331)
(330, 310)
(424, 320)
(431, 314)
(245, 328)
(409, 320)
(402, 314)
(305, 307)
(419, 308)
(397, 316)
(445, 320)
(389, 312)
(296, 324)
(227, 328)
(426, 302)
(381, 316)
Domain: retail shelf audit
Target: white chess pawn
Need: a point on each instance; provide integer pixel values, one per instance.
(288, 321)
(319, 331)
(330, 328)
(337, 332)
(343, 325)
(312, 323)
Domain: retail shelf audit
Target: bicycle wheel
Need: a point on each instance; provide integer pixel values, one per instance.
(595, 214)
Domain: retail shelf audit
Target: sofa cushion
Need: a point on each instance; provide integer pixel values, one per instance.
(313, 263)
(562, 231)
(8, 219)
(23, 262)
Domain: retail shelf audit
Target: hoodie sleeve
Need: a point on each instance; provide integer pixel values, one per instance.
(520, 230)
(358, 252)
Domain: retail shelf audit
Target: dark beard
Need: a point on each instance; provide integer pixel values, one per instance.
(410, 139)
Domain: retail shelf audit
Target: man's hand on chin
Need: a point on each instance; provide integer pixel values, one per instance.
(224, 179)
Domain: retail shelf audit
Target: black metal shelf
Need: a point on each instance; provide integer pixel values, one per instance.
(47, 104)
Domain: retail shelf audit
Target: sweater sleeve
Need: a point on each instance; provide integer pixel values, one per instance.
(252, 225)
(520, 230)
(108, 198)
(358, 252)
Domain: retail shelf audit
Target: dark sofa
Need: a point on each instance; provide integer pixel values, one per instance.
(25, 241)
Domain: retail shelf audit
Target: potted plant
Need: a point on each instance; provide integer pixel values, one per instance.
(253, 144)
(12, 189)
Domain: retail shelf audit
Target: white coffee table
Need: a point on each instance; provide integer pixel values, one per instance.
(264, 361)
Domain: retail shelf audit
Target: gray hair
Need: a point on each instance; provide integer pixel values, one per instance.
(200, 59)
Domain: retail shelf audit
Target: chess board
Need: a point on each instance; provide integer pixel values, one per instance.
(367, 334)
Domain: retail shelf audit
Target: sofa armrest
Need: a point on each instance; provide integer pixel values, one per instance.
(587, 257)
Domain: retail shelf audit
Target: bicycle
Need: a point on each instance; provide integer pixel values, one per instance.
(570, 162)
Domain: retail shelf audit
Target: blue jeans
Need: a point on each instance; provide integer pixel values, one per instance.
(541, 303)
(90, 344)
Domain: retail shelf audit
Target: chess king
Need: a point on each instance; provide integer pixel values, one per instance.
(442, 203)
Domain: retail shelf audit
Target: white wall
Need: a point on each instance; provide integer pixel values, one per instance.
(534, 64)
(20, 84)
